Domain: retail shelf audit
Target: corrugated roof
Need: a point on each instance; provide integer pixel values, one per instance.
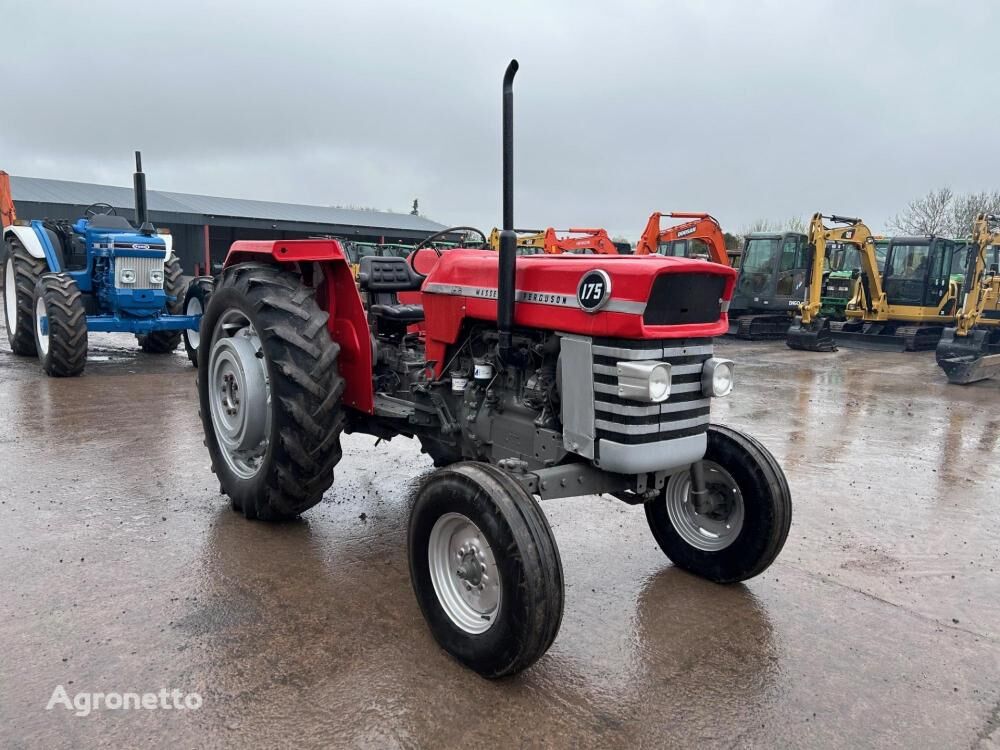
(42, 190)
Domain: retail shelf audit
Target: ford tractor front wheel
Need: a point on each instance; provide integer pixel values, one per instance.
(269, 392)
(60, 326)
(21, 272)
(195, 302)
(164, 342)
(737, 528)
(485, 568)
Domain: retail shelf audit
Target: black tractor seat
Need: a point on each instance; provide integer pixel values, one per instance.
(111, 221)
(382, 277)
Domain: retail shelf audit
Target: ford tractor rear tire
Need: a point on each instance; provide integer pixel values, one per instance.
(742, 525)
(60, 324)
(485, 568)
(21, 272)
(269, 392)
(164, 342)
(195, 303)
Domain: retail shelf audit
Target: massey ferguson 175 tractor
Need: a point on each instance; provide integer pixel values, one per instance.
(525, 379)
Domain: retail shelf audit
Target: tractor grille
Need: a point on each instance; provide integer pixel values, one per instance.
(837, 290)
(632, 422)
(142, 267)
(684, 298)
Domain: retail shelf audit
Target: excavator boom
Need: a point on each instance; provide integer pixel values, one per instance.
(701, 226)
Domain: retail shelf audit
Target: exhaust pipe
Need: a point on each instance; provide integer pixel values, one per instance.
(508, 237)
(139, 185)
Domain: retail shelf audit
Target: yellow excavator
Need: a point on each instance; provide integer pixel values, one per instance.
(811, 331)
(971, 350)
(906, 306)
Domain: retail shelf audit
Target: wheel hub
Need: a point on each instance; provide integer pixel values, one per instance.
(464, 573)
(239, 395)
(42, 326)
(193, 308)
(715, 521)
(10, 295)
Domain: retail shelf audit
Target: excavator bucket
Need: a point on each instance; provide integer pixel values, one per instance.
(814, 336)
(967, 359)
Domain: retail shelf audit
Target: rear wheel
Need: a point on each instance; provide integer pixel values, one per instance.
(738, 531)
(164, 342)
(195, 302)
(485, 569)
(21, 272)
(60, 326)
(269, 392)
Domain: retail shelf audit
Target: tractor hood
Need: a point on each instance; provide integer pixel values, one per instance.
(594, 295)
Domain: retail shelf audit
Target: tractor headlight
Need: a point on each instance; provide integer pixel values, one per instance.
(717, 377)
(156, 277)
(126, 276)
(644, 381)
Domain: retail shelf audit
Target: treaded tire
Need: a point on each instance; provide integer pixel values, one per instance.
(306, 413)
(27, 271)
(199, 289)
(513, 524)
(767, 512)
(164, 342)
(65, 354)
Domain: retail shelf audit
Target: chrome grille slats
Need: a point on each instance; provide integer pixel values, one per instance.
(142, 267)
(685, 412)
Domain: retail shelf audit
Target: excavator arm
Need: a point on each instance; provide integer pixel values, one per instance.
(980, 288)
(809, 331)
(7, 213)
(589, 239)
(702, 227)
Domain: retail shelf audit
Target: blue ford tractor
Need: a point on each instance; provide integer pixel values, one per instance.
(98, 274)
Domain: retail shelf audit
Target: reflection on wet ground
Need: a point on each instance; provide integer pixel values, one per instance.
(125, 570)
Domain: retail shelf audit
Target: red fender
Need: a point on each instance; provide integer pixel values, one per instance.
(337, 294)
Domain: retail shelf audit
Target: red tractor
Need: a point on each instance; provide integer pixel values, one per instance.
(528, 378)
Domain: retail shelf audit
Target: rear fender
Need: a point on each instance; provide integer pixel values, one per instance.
(28, 238)
(337, 294)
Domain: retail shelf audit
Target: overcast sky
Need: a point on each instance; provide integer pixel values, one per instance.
(743, 109)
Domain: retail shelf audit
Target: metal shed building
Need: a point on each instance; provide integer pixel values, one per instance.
(204, 226)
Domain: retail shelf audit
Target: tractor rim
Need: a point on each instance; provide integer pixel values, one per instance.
(464, 573)
(239, 394)
(710, 531)
(42, 326)
(193, 308)
(10, 295)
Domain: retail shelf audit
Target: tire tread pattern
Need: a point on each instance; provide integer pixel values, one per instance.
(164, 342)
(67, 353)
(27, 270)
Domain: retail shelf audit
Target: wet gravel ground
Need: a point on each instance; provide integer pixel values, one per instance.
(123, 569)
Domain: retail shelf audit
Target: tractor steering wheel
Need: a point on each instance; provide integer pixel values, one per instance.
(444, 232)
(94, 209)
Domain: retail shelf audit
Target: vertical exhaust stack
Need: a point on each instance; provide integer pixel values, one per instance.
(139, 184)
(508, 237)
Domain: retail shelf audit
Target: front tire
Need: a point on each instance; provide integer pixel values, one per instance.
(745, 530)
(269, 392)
(485, 569)
(164, 342)
(60, 326)
(21, 272)
(199, 291)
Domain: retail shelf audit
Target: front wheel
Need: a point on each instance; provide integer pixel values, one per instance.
(60, 326)
(164, 342)
(485, 569)
(737, 531)
(195, 302)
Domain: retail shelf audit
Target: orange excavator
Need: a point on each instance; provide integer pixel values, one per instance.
(684, 240)
(554, 241)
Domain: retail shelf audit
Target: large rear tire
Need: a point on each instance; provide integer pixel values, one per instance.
(747, 527)
(199, 291)
(21, 272)
(485, 569)
(269, 392)
(164, 342)
(60, 326)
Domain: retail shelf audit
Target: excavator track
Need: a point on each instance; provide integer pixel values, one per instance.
(886, 336)
(760, 327)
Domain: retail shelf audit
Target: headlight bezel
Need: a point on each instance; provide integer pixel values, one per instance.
(156, 276)
(127, 276)
(636, 381)
(712, 367)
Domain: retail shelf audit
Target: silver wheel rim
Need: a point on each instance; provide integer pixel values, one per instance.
(10, 296)
(708, 532)
(239, 394)
(193, 308)
(42, 327)
(464, 573)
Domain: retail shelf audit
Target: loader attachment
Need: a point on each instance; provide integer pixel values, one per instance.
(968, 359)
(814, 336)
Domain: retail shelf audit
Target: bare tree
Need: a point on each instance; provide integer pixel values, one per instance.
(931, 214)
(965, 209)
(760, 225)
(796, 224)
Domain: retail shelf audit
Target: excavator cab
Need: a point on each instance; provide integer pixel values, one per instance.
(692, 248)
(918, 272)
